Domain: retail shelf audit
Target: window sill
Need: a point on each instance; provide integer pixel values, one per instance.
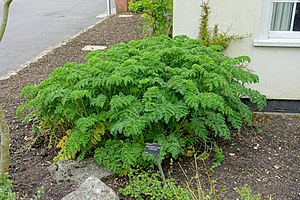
(277, 43)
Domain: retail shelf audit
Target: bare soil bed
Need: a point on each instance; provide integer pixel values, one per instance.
(266, 156)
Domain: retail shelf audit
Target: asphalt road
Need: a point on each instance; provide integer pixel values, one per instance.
(37, 25)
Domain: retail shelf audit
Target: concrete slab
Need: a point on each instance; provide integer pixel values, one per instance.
(125, 16)
(93, 48)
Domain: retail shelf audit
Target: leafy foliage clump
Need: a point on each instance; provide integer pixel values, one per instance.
(6, 187)
(175, 92)
(158, 15)
(149, 186)
(246, 193)
(218, 157)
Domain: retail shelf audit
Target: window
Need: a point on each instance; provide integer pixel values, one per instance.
(285, 16)
(280, 23)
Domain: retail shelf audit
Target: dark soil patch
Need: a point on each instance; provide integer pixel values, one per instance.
(267, 157)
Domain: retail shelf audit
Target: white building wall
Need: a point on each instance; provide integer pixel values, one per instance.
(277, 67)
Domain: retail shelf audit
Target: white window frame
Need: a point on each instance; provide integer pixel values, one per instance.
(275, 38)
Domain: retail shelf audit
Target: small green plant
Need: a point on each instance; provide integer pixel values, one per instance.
(246, 193)
(6, 192)
(212, 149)
(218, 157)
(175, 92)
(37, 194)
(6, 187)
(148, 185)
(158, 15)
(214, 37)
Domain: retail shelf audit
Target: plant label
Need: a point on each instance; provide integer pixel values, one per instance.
(153, 148)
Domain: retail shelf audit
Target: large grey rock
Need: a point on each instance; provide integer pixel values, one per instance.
(92, 189)
(77, 171)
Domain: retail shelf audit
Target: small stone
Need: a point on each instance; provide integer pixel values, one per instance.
(276, 166)
(231, 154)
(124, 16)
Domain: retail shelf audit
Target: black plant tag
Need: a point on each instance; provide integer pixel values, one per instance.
(153, 148)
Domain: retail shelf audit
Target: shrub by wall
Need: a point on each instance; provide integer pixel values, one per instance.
(175, 92)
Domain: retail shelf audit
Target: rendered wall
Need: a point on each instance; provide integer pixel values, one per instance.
(277, 67)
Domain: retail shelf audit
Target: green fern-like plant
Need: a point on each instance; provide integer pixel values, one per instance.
(174, 92)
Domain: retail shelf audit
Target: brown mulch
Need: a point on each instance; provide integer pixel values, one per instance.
(266, 156)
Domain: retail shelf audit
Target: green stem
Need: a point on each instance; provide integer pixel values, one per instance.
(84, 108)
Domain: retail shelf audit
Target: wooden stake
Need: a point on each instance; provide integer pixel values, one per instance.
(4, 131)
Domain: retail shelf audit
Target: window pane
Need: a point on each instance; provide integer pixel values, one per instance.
(282, 16)
(297, 18)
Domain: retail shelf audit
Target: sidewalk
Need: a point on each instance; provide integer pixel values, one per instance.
(34, 26)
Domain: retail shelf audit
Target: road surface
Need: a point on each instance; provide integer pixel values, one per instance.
(37, 25)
